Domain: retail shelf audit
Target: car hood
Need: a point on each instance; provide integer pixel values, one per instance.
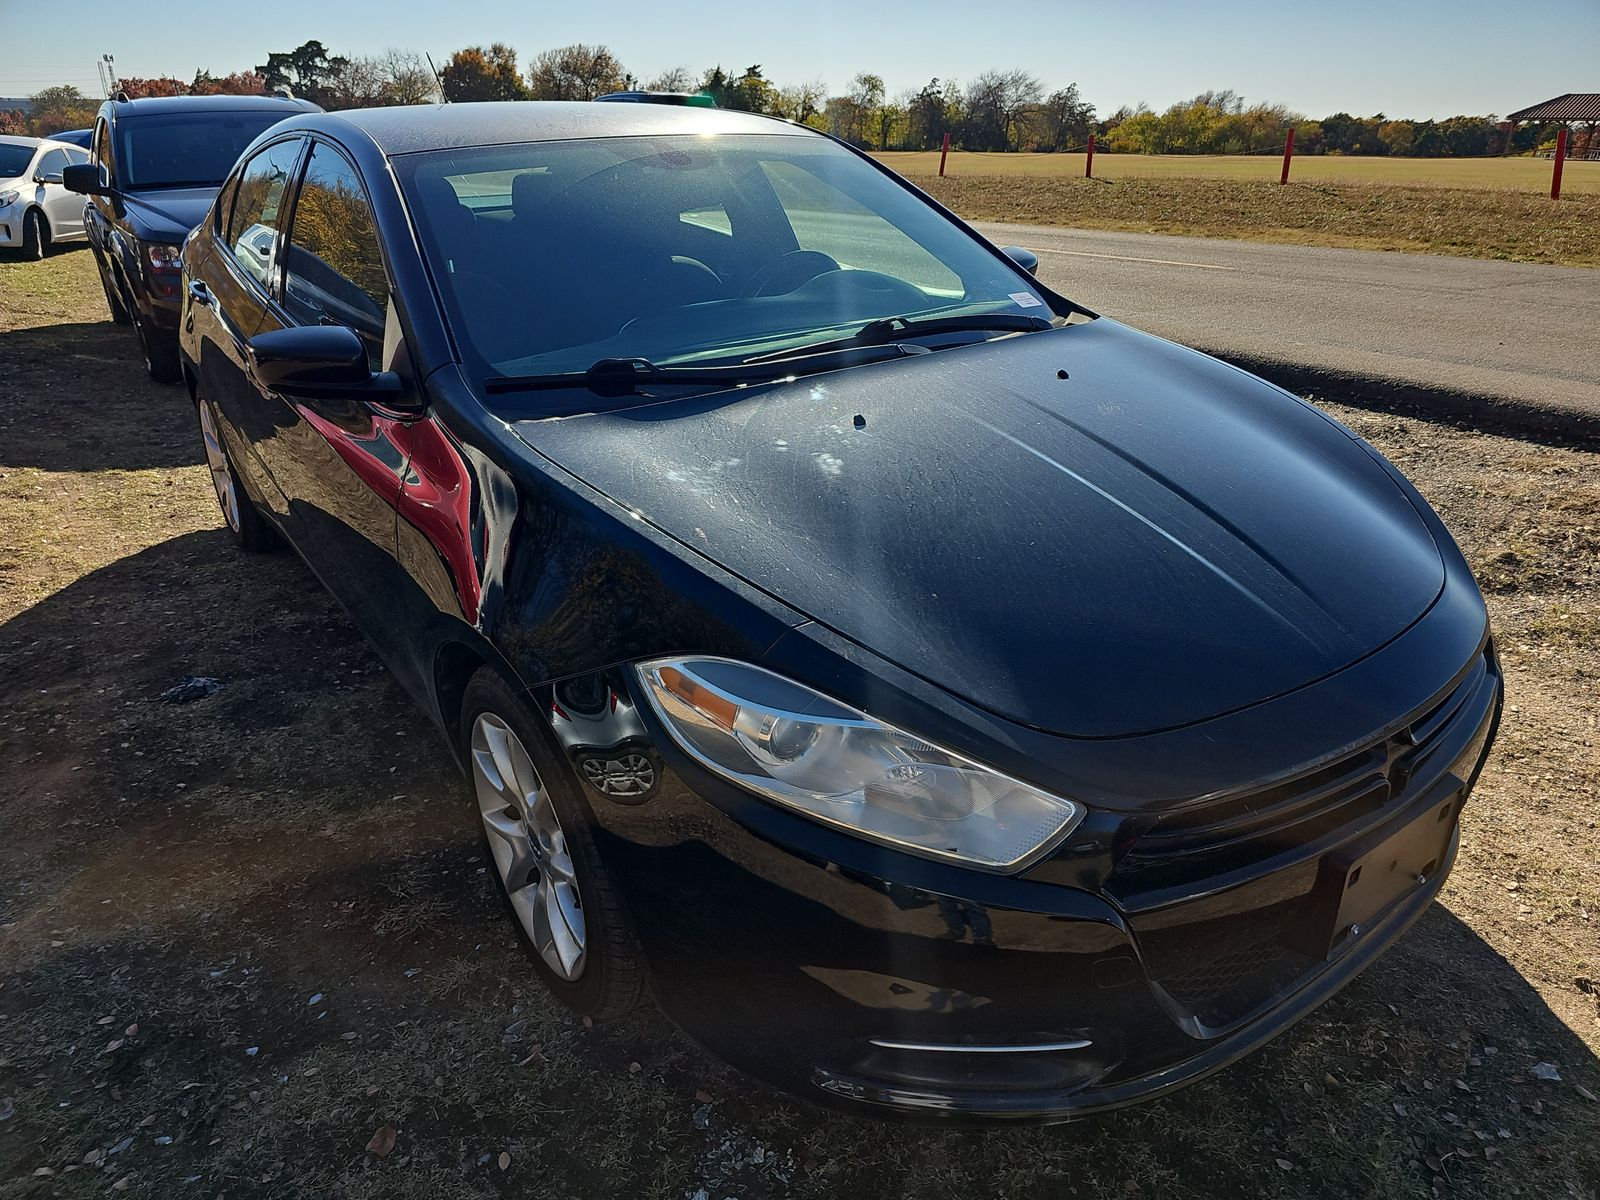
(1155, 539)
(168, 215)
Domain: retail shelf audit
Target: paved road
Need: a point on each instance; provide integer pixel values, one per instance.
(1503, 331)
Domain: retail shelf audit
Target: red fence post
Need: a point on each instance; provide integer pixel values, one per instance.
(1561, 157)
(1088, 162)
(1288, 153)
(944, 153)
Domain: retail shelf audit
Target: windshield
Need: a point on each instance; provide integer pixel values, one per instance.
(185, 149)
(14, 160)
(685, 250)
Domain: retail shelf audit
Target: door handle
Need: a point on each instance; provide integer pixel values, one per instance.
(199, 293)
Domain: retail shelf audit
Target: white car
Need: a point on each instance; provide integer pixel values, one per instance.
(35, 210)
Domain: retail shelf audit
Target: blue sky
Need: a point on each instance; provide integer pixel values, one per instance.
(1415, 58)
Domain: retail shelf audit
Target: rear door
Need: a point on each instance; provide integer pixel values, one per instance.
(339, 461)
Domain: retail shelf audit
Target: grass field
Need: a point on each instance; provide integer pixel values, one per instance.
(1512, 174)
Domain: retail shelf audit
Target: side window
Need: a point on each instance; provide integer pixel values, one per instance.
(824, 218)
(334, 271)
(259, 209)
(51, 163)
(100, 145)
(76, 157)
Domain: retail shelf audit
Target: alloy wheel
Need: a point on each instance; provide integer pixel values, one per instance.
(529, 846)
(221, 471)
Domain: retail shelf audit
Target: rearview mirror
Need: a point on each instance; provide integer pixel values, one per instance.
(1026, 259)
(321, 362)
(84, 178)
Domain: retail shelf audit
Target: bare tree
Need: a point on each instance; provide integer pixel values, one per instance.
(994, 101)
(802, 102)
(677, 79)
(576, 72)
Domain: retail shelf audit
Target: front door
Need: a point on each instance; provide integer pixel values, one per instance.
(340, 461)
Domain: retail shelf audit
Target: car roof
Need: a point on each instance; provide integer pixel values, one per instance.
(171, 104)
(414, 128)
(18, 139)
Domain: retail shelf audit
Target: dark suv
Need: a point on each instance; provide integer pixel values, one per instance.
(155, 168)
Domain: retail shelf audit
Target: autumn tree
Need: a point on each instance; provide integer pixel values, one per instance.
(240, 83)
(161, 85)
(483, 73)
(576, 72)
(932, 112)
(802, 102)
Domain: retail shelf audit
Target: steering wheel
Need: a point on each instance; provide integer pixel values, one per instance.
(791, 270)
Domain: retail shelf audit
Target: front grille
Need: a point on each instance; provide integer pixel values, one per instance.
(1217, 893)
(1297, 817)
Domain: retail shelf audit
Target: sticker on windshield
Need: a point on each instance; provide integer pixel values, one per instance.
(1026, 300)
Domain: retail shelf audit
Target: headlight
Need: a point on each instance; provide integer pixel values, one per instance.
(806, 752)
(8, 198)
(164, 257)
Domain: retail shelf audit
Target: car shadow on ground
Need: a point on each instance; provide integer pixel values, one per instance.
(260, 925)
(77, 399)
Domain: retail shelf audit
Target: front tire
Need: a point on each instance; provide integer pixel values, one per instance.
(160, 357)
(246, 525)
(564, 904)
(35, 236)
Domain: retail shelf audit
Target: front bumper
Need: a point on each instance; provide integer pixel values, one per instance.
(867, 979)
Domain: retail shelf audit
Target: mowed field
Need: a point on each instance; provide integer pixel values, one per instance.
(243, 940)
(1512, 174)
(1479, 208)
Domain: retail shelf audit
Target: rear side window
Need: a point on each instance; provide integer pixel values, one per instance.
(333, 273)
(259, 207)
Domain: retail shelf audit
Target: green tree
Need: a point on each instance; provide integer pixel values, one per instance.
(483, 73)
(308, 70)
(63, 107)
(1064, 119)
(1397, 136)
(576, 72)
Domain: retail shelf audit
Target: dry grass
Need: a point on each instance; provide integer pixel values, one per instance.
(1429, 220)
(185, 881)
(1531, 175)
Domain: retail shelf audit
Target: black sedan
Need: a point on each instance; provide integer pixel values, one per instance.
(957, 703)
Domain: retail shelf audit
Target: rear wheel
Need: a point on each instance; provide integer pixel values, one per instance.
(245, 522)
(35, 235)
(564, 904)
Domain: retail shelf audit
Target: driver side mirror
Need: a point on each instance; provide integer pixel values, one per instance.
(87, 179)
(50, 177)
(323, 362)
(1026, 259)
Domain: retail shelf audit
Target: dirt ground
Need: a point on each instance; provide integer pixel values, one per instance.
(248, 946)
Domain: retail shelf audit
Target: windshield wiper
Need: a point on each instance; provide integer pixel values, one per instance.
(886, 330)
(624, 376)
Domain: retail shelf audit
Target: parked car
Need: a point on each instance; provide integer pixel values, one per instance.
(959, 703)
(156, 167)
(35, 210)
(76, 137)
